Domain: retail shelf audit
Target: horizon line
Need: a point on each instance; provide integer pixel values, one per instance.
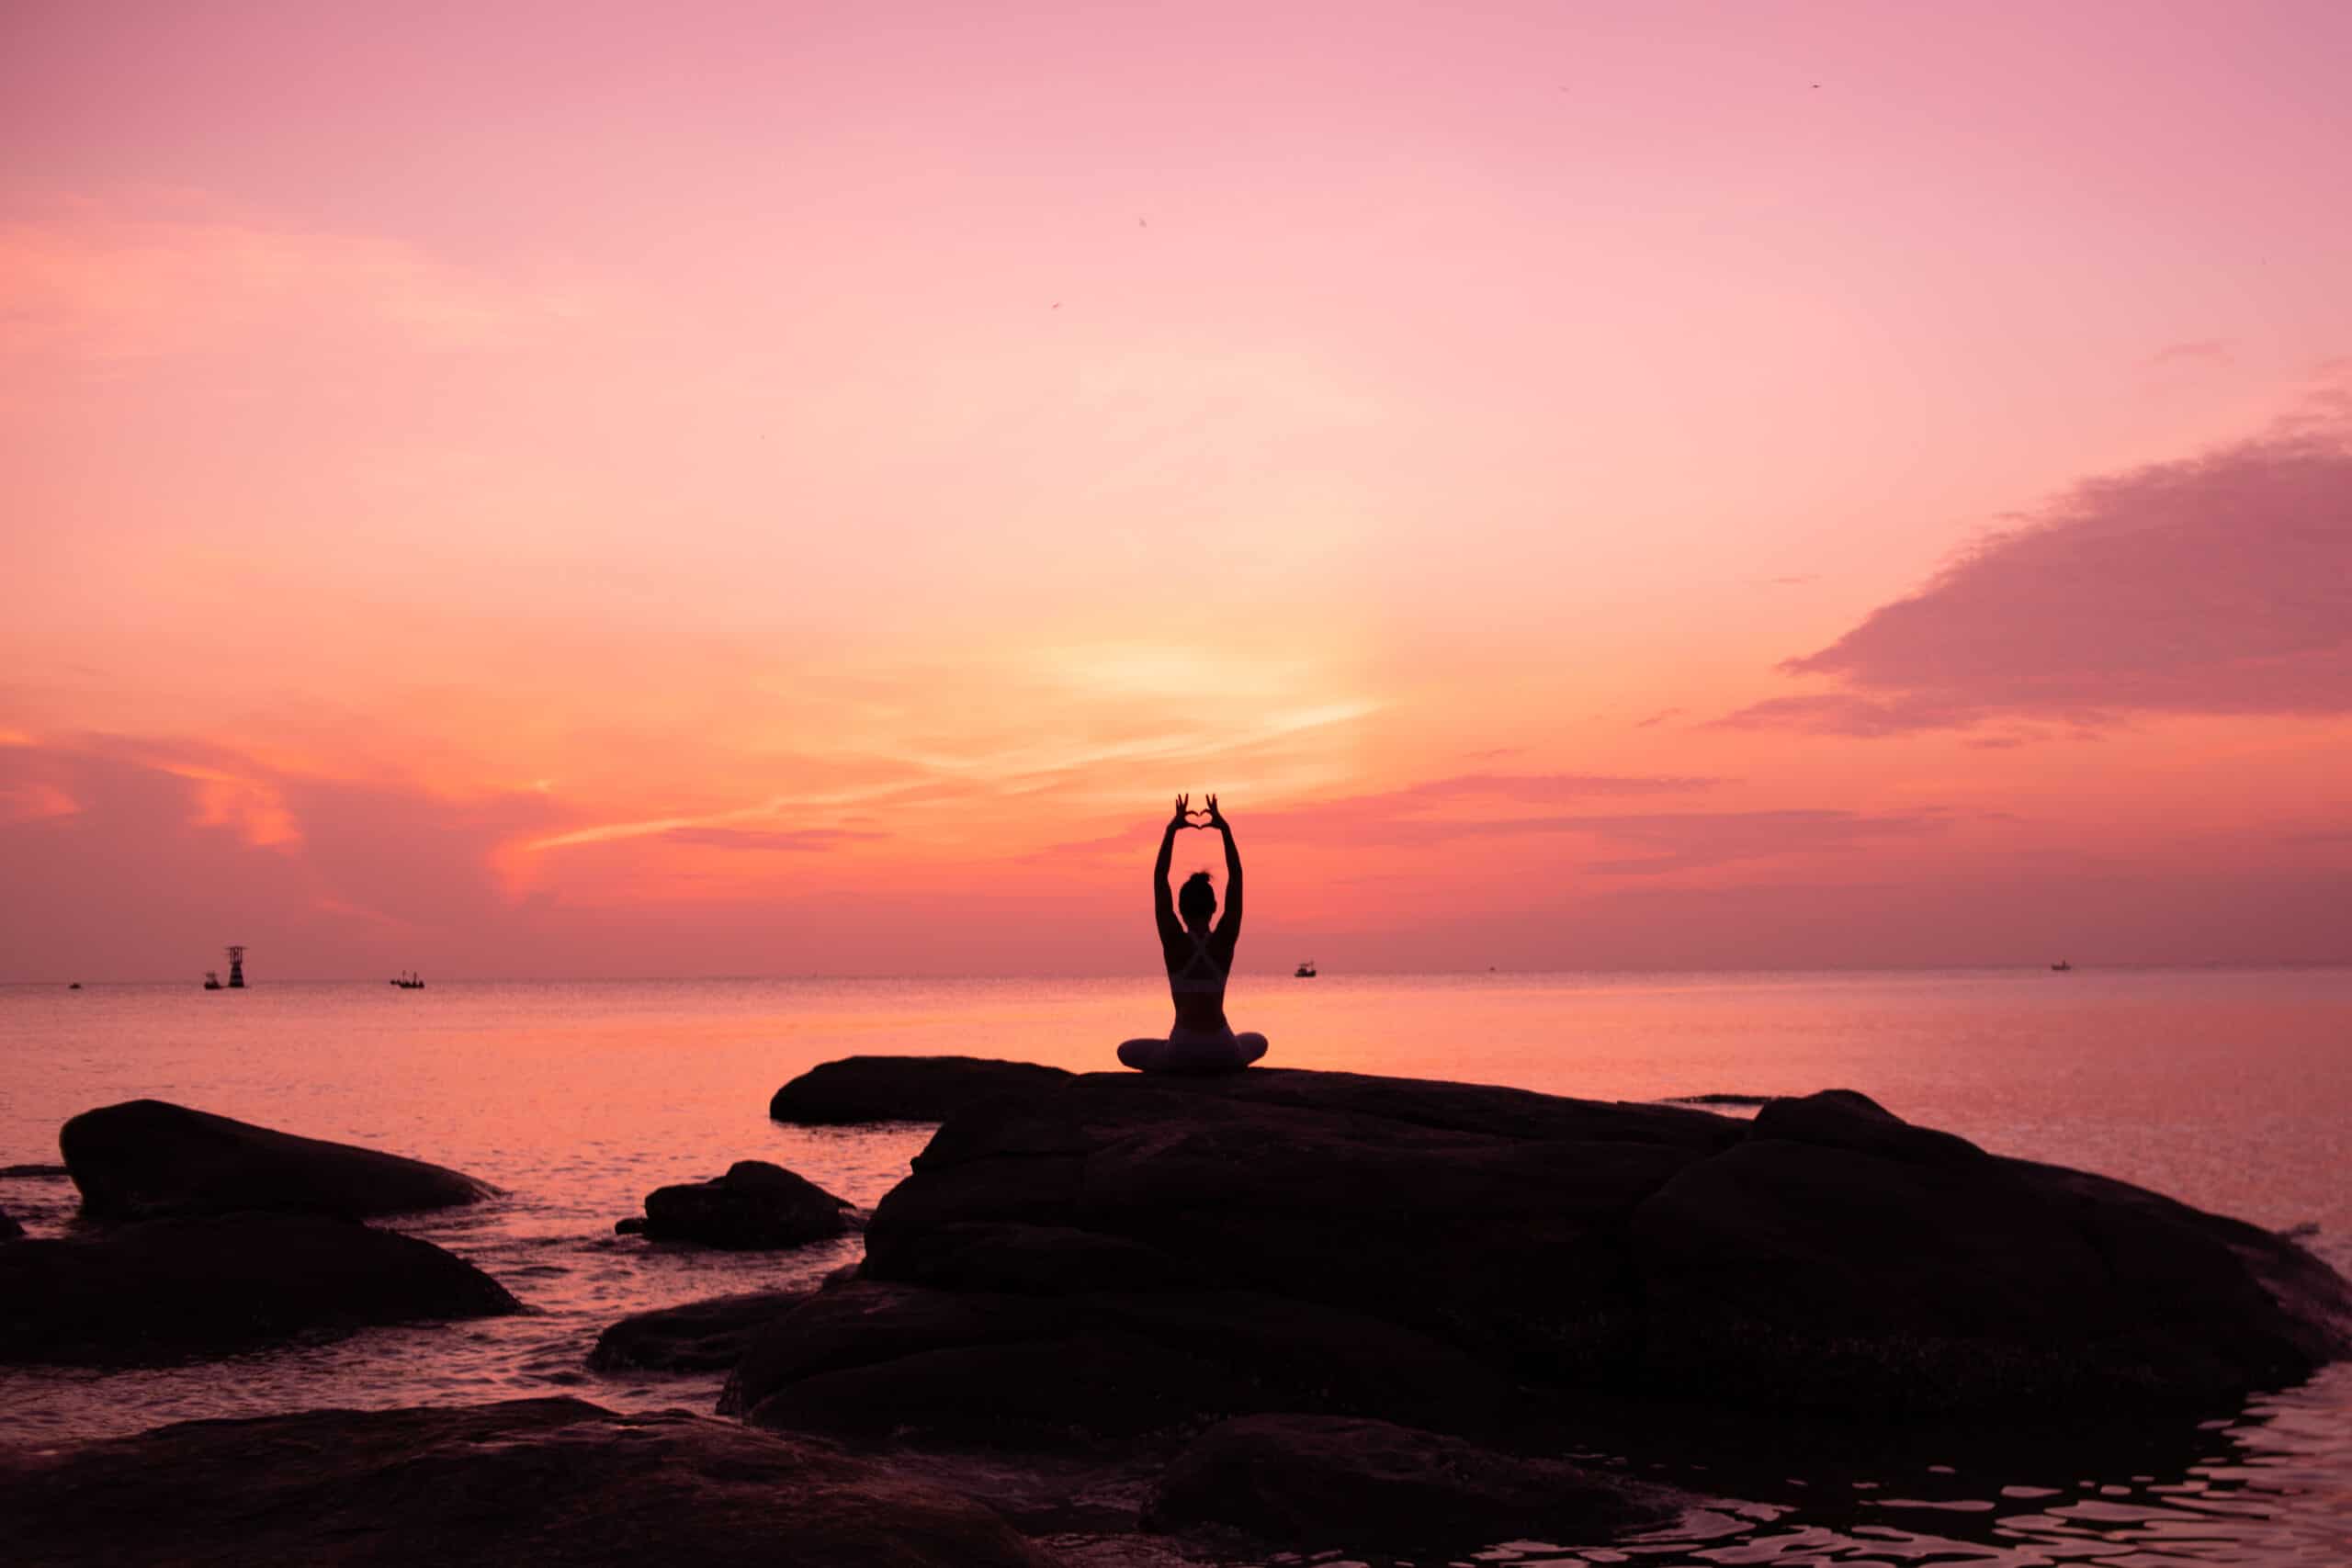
(1276, 973)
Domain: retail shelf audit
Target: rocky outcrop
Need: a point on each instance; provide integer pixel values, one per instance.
(1826, 1255)
(168, 1289)
(902, 1089)
(1310, 1482)
(700, 1336)
(867, 1360)
(552, 1482)
(9, 1229)
(146, 1158)
(753, 1207)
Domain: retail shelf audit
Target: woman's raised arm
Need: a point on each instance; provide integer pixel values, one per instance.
(1163, 905)
(1231, 925)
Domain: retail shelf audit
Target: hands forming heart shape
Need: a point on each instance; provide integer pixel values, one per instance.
(1186, 811)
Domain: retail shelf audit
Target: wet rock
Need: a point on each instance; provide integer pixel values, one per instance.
(29, 1171)
(146, 1158)
(9, 1229)
(1312, 1481)
(869, 1360)
(168, 1289)
(1826, 1255)
(902, 1088)
(753, 1207)
(553, 1481)
(700, 1336)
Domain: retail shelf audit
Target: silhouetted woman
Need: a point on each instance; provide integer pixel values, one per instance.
(1199, 958)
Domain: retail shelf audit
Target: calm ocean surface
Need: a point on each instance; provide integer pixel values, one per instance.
(2231, 1090)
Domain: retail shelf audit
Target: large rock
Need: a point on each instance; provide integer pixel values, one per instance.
(9, 1229)
(700, 1336)
(1312, 1481)
(753, 1207)
(1826, 1255)
(167, 1289)
(553, 1481)
(147, 1158)
(902, 1088)
(869, 1360)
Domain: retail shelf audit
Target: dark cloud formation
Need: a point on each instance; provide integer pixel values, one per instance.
(2222, 584)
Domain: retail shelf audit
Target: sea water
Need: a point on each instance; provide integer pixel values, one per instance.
(2229, 1088)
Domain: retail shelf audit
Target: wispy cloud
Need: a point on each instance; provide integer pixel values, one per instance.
(103, 287)
(2201, 351)
(792, 839)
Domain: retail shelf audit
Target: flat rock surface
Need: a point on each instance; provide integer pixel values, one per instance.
(148, 1157)
(552, 1482)
(1311, 1482)
(700, 1336)
(755, 1206)
(1826, 1255)
(902, 1088)
(169, 1289)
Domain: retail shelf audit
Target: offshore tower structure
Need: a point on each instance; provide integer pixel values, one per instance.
(237, 968)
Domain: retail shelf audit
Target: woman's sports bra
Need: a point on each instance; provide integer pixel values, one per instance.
(1200, 977)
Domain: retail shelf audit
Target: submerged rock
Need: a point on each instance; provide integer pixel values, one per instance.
(700, 1336)
(1827, 1255)
(902, 1088)
(147, 1158)
(554, 1482)
(1321, 1480)
(755, 1206)
(167, 1289)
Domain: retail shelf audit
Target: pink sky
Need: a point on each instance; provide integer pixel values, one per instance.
(547, 489)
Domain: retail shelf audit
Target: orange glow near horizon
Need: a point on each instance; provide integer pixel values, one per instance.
(538, 494)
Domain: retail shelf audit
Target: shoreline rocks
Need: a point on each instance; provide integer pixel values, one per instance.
(1826, 1256)
(708, 1335)
(755, 1207)
(149, 1159)
(173, 1290)
(857, 1089)
(555, 1482)
(1314, 1481)
(865, 1360)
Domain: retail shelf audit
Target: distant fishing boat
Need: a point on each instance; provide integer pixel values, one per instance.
(74, 986)
(411, 981)
(1305, 971)
(212, 980)
(2062, 967)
